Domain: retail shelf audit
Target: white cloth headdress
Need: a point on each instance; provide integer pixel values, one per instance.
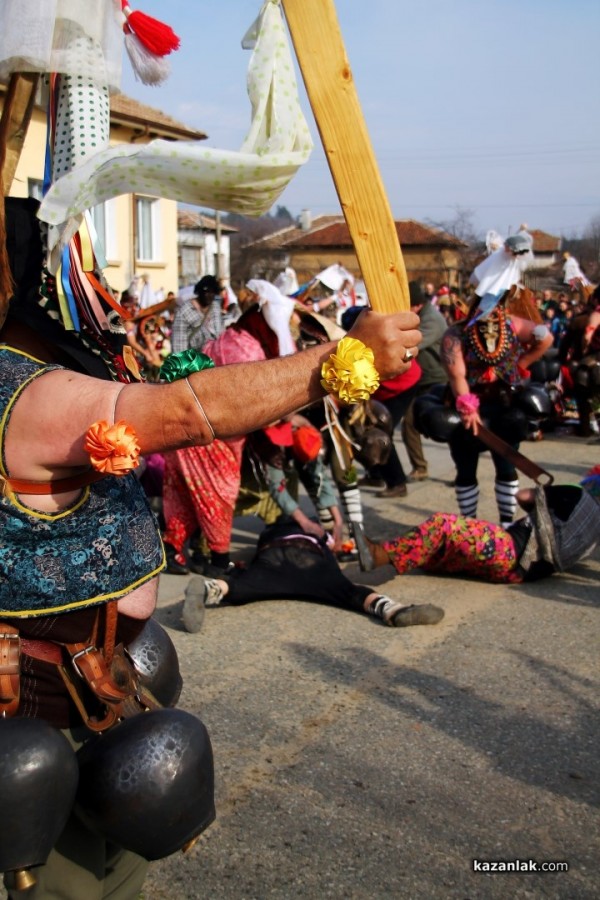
(287, 281)
(333, 277)
(277, 310)
(502, 269)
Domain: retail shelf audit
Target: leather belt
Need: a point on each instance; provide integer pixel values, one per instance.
(56, 486)
(44, 650)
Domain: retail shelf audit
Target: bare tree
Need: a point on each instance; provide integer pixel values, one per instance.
(461, 227)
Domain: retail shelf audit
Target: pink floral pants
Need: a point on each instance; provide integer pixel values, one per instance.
(448, 544)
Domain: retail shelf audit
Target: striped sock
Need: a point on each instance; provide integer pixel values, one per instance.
(506, 500)
(398, 615)
(467, 497)
(326, 519)
(352, 505)
(383, 608)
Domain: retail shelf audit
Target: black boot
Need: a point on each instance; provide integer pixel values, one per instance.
(198, 562)
(219, 565)
(198, 553)
(174, 567)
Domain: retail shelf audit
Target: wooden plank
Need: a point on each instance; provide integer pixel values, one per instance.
(326, 72)
(16, 115)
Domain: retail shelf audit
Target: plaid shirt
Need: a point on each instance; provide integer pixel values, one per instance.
(192, 329)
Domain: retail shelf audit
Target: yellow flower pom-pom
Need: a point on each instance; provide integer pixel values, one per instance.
(350, 372)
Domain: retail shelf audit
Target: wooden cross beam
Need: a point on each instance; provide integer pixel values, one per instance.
(326, 72)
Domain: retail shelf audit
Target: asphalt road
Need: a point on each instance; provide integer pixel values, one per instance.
(359, 761)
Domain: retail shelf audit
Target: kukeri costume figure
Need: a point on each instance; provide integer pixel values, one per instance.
(81, 553)
(486, 358)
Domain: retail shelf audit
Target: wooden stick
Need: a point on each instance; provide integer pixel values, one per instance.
(16, 113)
(330, 87)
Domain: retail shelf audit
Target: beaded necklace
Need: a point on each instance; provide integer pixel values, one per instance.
(477, 343)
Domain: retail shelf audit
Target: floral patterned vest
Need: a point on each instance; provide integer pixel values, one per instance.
(100, 548)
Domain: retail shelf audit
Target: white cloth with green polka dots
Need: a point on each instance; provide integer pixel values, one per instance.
(247, 182)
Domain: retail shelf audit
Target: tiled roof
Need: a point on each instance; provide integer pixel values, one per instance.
(337, 234)
(125, 110)
(543, 242)
(284, 236)
(187, 218)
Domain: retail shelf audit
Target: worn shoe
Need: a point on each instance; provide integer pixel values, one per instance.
(418, 475)
(399, 490)
(378, 554)
(399, 616)
(425, 614)
(200, 593)
(367, 481)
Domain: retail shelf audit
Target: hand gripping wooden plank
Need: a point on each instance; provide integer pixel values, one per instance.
(321, 55)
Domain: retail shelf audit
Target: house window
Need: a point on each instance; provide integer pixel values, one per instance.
(147, 222)
(103, 218)
(98, 214)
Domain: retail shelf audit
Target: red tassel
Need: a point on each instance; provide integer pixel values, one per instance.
(158, 38)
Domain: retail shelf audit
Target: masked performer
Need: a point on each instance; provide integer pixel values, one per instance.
(486, 358)
(80, 544)
(579, 353)
(81, 552)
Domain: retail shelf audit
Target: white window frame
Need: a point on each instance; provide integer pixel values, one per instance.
(147, 245)
(105, 222)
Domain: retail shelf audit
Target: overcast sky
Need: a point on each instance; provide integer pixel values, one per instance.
(486, 105)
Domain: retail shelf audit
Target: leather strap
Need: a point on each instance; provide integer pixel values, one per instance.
(109, 673)
(90, 722)
(90, 664)
(47, 651)
(110, 630)
(523, 463)
(10, 685)
(56, 486)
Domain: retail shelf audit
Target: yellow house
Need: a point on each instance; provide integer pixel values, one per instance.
(138, 232)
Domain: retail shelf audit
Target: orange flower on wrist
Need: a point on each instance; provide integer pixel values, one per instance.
(113, 449)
